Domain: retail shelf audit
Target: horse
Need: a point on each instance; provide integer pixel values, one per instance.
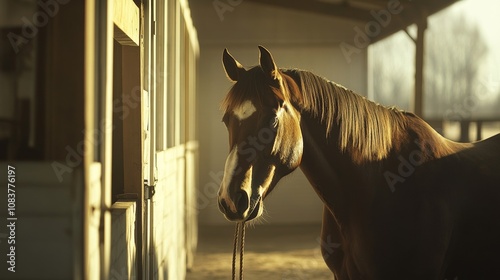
(400, 201)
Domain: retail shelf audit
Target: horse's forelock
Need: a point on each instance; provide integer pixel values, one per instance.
(254, 87)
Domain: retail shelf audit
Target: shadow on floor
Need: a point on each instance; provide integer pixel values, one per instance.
(290, 252)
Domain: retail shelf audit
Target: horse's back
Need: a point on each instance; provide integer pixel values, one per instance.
(489, 147)
(482, 164)
(478, 227)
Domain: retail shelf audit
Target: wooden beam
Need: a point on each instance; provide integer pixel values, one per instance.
(126, 20)
(419, 69)
(323, 8)
(104, 71)
(411, 12)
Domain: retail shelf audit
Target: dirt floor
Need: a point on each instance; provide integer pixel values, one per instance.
(271, 252)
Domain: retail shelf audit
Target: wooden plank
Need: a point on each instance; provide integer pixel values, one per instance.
(88, 270)
(190, 29)
(93, 209)
(161, 76)
(191, 209)
(126, 20)
(105, 92)
(169, 209)
(123, 248)
(323, 8)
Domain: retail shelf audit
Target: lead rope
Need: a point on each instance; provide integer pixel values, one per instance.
(242, 248)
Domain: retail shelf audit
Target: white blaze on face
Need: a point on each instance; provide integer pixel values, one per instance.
(229, 168)
(245, 110)
(242, 112)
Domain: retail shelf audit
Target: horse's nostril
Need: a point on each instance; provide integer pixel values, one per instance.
(241, 202)
(222, 205)
(236, 210)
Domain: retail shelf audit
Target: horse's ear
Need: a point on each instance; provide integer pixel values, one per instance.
(232, 67)
(267, 64)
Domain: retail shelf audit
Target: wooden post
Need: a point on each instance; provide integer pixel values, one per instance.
(419, 69)
(127, 18)
(464, 130)
(479, 130)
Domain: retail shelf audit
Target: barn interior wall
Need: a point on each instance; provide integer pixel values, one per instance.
(168, 248)
(293, 201)
(174, 223)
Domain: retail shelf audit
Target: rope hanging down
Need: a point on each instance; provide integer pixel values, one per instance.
(239, 226)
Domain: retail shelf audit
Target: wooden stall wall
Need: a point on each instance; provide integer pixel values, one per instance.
(174, 217)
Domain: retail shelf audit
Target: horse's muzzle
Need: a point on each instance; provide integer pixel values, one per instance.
(245, 208)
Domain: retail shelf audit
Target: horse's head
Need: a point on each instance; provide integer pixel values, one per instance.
(265, 139)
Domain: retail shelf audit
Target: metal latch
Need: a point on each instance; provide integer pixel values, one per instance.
(149, 191)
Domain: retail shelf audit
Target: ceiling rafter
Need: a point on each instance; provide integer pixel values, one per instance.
(412, 12)
(343, 9)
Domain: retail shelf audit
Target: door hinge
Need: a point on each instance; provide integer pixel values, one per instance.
(149, 191)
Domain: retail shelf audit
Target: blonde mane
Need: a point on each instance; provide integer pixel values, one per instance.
(366, 129)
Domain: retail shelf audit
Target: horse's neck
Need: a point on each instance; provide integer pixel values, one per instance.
(429, 141)
(319, 167)
(338, 174)
(339, 181)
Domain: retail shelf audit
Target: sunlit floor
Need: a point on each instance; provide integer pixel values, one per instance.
(271, 252)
